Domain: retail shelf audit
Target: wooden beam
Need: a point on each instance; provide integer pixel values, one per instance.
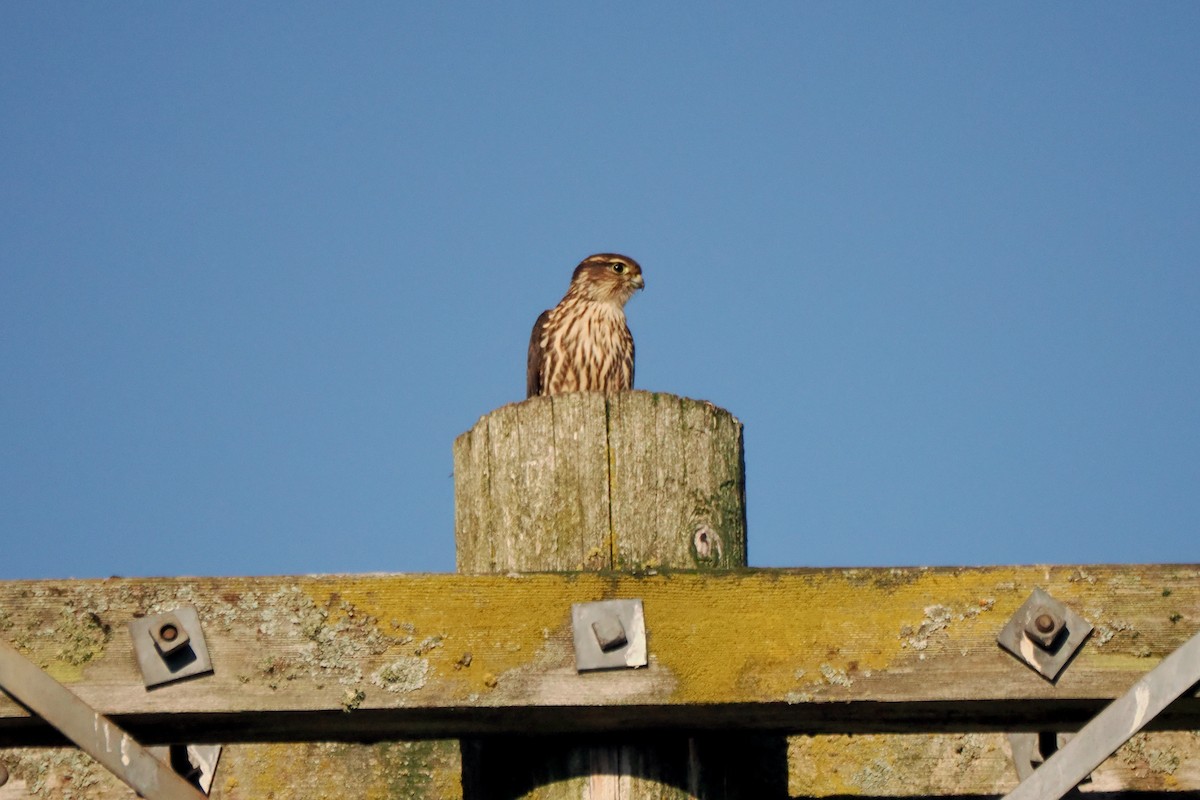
(356, 658)
(974, 765)
(955, 766)
(423, 770)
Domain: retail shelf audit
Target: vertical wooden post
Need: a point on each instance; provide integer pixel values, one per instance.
(587, 482)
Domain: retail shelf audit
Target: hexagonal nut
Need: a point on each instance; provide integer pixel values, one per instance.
(169, 635)
(1043, 626)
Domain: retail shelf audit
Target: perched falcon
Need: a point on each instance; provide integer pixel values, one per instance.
(583, 343)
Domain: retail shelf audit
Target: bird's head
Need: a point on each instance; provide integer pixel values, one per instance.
(607, 278)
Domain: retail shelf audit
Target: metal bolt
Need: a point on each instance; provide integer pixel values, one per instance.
(610, 633)
(1043, 627)
(169, 635)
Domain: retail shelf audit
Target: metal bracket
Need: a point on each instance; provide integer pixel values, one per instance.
(170, 646)
(610, 634)
(1044, 634)
(90, 730)
(1114, 726)
(197, 763)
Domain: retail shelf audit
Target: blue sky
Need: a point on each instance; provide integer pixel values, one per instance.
(261, 263)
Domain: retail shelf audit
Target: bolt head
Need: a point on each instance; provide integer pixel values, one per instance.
(169, 635)
(610, 633)
(1043, 626)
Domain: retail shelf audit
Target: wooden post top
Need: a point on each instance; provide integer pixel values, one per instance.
(588, 481)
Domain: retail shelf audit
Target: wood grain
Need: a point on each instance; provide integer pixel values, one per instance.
(819, 651)
(631, 481)
(677, 483)
(861, 766)
(810, 651)
(585, 481)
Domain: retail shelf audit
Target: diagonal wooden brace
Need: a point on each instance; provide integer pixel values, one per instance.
(94, 733)
(1114, 726)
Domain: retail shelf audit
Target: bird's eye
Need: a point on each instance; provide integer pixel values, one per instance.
(618, 268)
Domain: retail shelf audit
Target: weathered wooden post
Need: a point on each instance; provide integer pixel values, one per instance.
(630, 482)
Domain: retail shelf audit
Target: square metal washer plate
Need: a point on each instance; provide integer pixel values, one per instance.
(190, 661)
(589, 655)
(1047, 663)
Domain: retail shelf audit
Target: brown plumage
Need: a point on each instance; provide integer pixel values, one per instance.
(583, 343)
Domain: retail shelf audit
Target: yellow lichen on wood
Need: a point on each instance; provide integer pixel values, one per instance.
(374, 655)
(421, 770)
(424, 770)
(900, 765)
(778, 638)
(830, 638)
(932, 765)
(916, 606)
(442, 630)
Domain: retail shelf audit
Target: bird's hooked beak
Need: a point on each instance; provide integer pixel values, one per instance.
(638, 282)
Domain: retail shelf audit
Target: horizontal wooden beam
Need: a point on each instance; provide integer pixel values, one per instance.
(953, 766)
(372, 657)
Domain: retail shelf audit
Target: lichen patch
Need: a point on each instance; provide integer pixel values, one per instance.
(405, 674)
